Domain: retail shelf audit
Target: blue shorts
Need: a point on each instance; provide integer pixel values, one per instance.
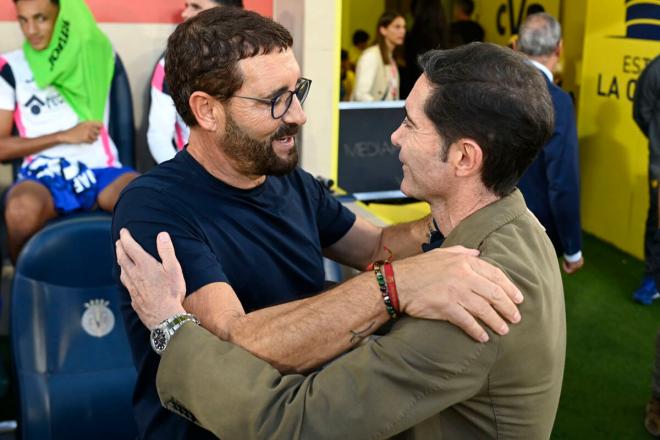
(77, 191)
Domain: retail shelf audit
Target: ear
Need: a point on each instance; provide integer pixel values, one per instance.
(209, 114)
(382, 30)
(560, 48)
(467, 157)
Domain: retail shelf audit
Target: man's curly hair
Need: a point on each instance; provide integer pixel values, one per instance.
(203, 53)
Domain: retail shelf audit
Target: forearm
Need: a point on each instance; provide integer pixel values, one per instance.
(643, 106)
(564, 195)
(565, 209)
(366, 243)
(404, 239)
(14, 147)
(235, 395)
(301, 335)
(304, 334)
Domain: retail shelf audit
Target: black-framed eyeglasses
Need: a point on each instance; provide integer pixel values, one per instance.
(280, 104)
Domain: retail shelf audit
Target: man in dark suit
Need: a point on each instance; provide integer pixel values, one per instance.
(646, 113)
(551, 185)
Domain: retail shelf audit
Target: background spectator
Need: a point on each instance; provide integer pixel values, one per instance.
(347, 78)
(167, 132)
(59, 110)
(646, 112)
(551, 185)
(377, 74)
(463, 29)
(534, 8)
(360, 43)
(429, 31)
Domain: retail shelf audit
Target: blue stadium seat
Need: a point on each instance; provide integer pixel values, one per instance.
(121, 124)
(72, 363)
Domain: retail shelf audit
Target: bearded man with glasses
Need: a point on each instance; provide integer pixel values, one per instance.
(250, 228)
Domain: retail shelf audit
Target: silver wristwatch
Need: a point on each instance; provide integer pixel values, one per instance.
(161, 335)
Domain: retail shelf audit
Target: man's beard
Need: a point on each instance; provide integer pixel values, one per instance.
(257, 158)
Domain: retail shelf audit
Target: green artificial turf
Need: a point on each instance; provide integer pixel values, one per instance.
(610, 351)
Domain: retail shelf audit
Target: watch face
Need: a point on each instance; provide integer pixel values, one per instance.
(158, 340)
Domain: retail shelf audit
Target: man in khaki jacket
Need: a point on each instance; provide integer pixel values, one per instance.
(251, 228)
(474, 121)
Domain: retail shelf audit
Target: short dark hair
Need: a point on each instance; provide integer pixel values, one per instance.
(534, 8)
(467, 6)
(203, 53)
(495, 96)
(360, 36)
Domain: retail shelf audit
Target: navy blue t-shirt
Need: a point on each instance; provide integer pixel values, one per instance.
(265, 242)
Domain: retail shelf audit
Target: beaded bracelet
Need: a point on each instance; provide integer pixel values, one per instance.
(383, 289)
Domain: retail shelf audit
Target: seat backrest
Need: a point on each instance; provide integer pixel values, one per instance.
(72, 362)
(122, 124)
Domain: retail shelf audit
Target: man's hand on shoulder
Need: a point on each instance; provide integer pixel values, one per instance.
(453, 284)
(157, 290)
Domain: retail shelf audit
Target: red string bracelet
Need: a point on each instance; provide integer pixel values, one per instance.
(391, 286)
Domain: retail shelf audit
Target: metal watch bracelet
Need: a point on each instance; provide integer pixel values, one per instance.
(161, 335)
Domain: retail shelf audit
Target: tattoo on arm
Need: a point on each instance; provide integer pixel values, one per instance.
(358, 335)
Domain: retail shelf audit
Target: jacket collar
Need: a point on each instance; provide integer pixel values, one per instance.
(474, 229)
(548, 74)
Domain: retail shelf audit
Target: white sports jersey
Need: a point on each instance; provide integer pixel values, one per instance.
(167, 132)
(39, 112)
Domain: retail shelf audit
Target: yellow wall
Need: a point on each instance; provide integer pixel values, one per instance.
(572, 18)
(359, 14)
(613, 152)
(492, 14)
(497, 18)
(391, 214)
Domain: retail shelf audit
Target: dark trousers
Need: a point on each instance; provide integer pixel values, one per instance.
(652, 257)
(655, 384)
(652, 234)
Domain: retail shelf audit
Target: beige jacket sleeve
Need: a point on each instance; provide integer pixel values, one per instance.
(375, 391)
(370, 77)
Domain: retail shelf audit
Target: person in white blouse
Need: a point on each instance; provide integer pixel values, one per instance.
(377, 75)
